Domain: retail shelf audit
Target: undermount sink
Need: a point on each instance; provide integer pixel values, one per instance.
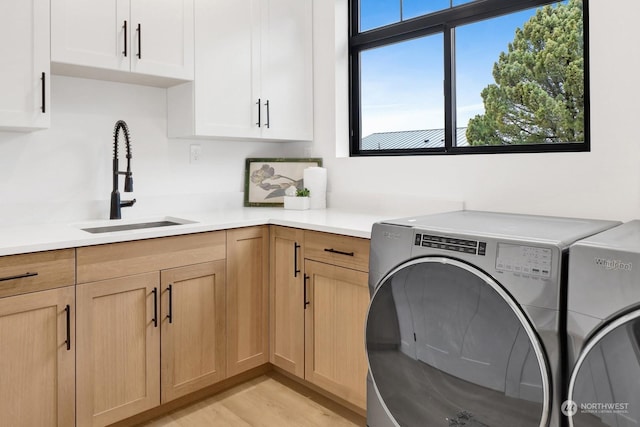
(119, 226)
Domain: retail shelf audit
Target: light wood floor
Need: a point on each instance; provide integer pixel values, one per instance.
(270, 401)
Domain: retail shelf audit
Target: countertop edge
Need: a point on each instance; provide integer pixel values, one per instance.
(48, 237)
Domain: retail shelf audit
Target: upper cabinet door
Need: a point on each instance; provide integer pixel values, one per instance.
(287, 75)
(253, 65)
(24, 65)
(137, 41)
(161, 37)
(228, 66)
(91, 33)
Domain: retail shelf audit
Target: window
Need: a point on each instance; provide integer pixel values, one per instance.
(468, 76)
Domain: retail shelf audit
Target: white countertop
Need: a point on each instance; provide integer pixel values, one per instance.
(41, 237)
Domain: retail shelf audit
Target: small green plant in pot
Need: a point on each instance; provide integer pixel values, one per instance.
(297, 199)
(302, 193)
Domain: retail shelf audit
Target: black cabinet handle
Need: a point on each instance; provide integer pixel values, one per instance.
(334, 251)
(155, 307)
(259, 110)
(68, 341)
(20, 276)
(139, 41)
(306, 303)
(124, 52)
(44, 92)
(268, 119)
(170, 315)
(296, 246)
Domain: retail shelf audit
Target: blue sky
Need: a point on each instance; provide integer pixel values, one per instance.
(377, 13)
(402, 84)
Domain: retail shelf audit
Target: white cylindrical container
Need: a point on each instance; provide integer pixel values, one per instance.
(315, 179)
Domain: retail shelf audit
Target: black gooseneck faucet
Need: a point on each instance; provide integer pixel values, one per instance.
(116, 204)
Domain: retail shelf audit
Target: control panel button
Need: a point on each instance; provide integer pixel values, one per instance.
(482, 248)
(530, 260)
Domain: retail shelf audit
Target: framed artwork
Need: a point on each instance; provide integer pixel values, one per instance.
(265, 180)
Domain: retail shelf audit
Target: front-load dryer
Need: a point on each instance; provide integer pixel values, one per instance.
(463, 327)
(603, 326)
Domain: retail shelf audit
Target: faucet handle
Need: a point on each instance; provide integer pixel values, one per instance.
(127, 203)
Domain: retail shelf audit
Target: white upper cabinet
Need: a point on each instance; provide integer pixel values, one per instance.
(24, 65)
(90, 33)
(143, 37)
(253, 72)
(222, 100)
(286, 66)
(162, 39)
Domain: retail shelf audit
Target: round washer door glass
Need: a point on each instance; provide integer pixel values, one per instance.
(447, 346)
(605, 384)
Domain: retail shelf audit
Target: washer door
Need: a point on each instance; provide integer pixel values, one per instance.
(605, 383)
(447, 346)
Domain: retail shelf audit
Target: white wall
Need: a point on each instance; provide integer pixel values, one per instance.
(604, 183)
(64, 173)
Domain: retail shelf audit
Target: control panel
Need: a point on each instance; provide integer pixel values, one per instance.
(524, 259)
(451, 244)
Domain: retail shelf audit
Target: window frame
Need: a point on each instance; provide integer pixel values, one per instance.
(445, 22)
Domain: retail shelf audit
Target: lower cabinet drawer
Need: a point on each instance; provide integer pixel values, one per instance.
(344, 251)
(21, 274)
(112, 260)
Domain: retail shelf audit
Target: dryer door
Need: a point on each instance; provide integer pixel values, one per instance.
(448, 346)
(605, 383)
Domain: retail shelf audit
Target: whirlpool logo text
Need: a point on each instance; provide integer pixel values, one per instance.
(614, 264)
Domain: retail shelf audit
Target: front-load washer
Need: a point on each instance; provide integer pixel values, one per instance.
(603, 329)
(463, 327)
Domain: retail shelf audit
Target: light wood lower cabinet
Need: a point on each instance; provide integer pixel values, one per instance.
(318, 314)
(118, 351)
(121, 361)
(247, 298)
(182, 324)
(287, 302)
(335, 359)
(37, 367)
(159, 319)
(193, 328)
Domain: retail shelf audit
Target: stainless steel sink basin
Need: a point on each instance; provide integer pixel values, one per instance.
(163, 222)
